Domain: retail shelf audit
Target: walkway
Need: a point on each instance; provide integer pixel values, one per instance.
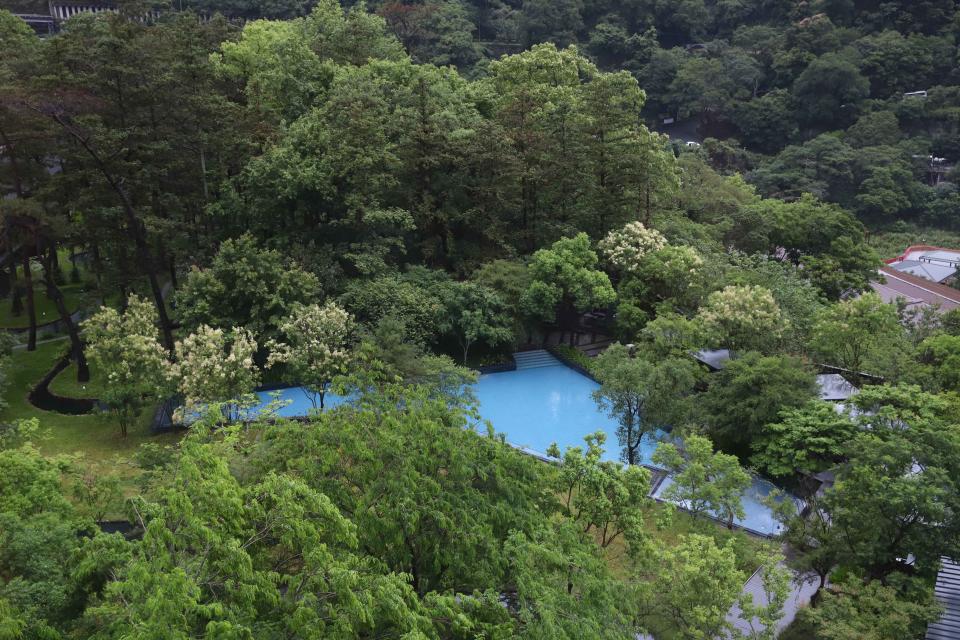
(800, 593)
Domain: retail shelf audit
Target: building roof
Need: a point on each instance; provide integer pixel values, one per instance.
(915, 290)
(932, 271)
(929, 262)
(715, 359)
(947, 593)
(833, 386)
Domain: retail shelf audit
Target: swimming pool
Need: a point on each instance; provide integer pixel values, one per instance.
(758, 517)
(535, 407)
(543, 402)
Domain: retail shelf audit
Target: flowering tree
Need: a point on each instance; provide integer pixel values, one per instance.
(315, 350)
(126, 351)
(215, 366)
(742, 317)
(623, 248)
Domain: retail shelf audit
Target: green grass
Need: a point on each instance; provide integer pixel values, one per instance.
(74, 296)
(65, 384)
(891, 243)
(94, 438)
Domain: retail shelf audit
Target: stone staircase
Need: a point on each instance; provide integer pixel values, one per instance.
(534, 359)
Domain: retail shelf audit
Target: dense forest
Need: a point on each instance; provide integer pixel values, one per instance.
(371, 203)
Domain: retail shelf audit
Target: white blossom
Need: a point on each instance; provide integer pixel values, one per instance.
(623, 248)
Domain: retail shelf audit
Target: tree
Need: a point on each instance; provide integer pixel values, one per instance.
(273, 540)
(860, 335)
(763, 617)
(893, 500)
(556, 22)
(643, 393)
(509, 279)
(315, 348)
(128, 355)
(245, 287)
(942, 354)
(566, 277)
(750, 393)
(703, 482)
(214, 366)
(766, 123)
(806, 440)
(474, 314)
(811, 534)
(672, 276)
(419, 308)
(609, 499)
(625, 248)
(828, 86)
(697, 582)
(742, 317)
(852, 609)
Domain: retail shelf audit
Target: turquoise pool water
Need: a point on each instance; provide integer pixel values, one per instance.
(757, 516)
(542, 402)
(539, 406)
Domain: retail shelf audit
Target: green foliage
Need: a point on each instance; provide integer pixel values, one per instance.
(125, 349)
(749, 394)
(861, 335)
(704, 482)
(642, 393)
(246, 287)
(609, 498)
(417, 308)
(697, 585)
(830, 84)
(316, 348)
(566, 277)
(872, 611)
(741, 318)
(806, 440)
(475, 314)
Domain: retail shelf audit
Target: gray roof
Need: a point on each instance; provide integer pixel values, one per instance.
(833, 386)
(716, 359)
(948, 595)
(932, 271)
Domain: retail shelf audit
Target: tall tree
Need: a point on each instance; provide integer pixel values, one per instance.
(643, 394)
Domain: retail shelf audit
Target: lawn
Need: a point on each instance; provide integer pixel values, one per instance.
(95, 437)
(74, 295)
(65, 384)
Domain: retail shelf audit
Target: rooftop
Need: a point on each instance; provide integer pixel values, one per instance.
(928, 262)
(948, 594)
(834, 387)
(915, 290)
(715, 359)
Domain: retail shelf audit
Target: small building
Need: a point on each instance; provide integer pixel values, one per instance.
(947, 593)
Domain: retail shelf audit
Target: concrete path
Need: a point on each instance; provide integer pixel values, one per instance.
(800, 593)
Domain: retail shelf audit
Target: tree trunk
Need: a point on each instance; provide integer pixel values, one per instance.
(54, 293)
(135, 226)
(31, 309)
